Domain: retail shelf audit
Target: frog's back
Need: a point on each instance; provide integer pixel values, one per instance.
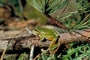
(48, 31)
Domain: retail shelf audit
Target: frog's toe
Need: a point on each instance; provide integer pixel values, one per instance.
(55, 46)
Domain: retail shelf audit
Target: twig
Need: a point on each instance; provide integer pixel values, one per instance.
(32, 47)
(31, 52)
(59, 24)
(2, 56)
(29, 31)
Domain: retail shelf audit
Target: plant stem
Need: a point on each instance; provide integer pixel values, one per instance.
(59, 24)
(32, 47)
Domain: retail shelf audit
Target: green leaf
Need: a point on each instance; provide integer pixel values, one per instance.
(44, 56)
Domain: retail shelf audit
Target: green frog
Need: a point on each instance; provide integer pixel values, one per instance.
(49, 34)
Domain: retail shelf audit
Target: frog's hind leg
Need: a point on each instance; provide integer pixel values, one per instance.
(54, 45)
(54, 48)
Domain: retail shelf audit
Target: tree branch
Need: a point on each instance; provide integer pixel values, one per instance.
(26, 41)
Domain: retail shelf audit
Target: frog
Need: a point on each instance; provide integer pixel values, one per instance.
(48, 34)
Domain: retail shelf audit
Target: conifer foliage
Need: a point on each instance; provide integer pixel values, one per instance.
(48, 6)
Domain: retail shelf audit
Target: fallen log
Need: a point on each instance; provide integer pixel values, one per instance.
(22, 42)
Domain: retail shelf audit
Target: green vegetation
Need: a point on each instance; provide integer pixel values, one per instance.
(34, 14)
(78, 19)
(77, 51)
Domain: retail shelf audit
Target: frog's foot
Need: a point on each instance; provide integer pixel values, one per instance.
(54, 48)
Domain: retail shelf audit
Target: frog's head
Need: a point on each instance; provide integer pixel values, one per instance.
(37, 30)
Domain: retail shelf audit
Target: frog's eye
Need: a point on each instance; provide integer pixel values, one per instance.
(35, 29)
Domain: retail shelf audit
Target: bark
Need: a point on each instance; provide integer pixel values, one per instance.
(26, 41)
